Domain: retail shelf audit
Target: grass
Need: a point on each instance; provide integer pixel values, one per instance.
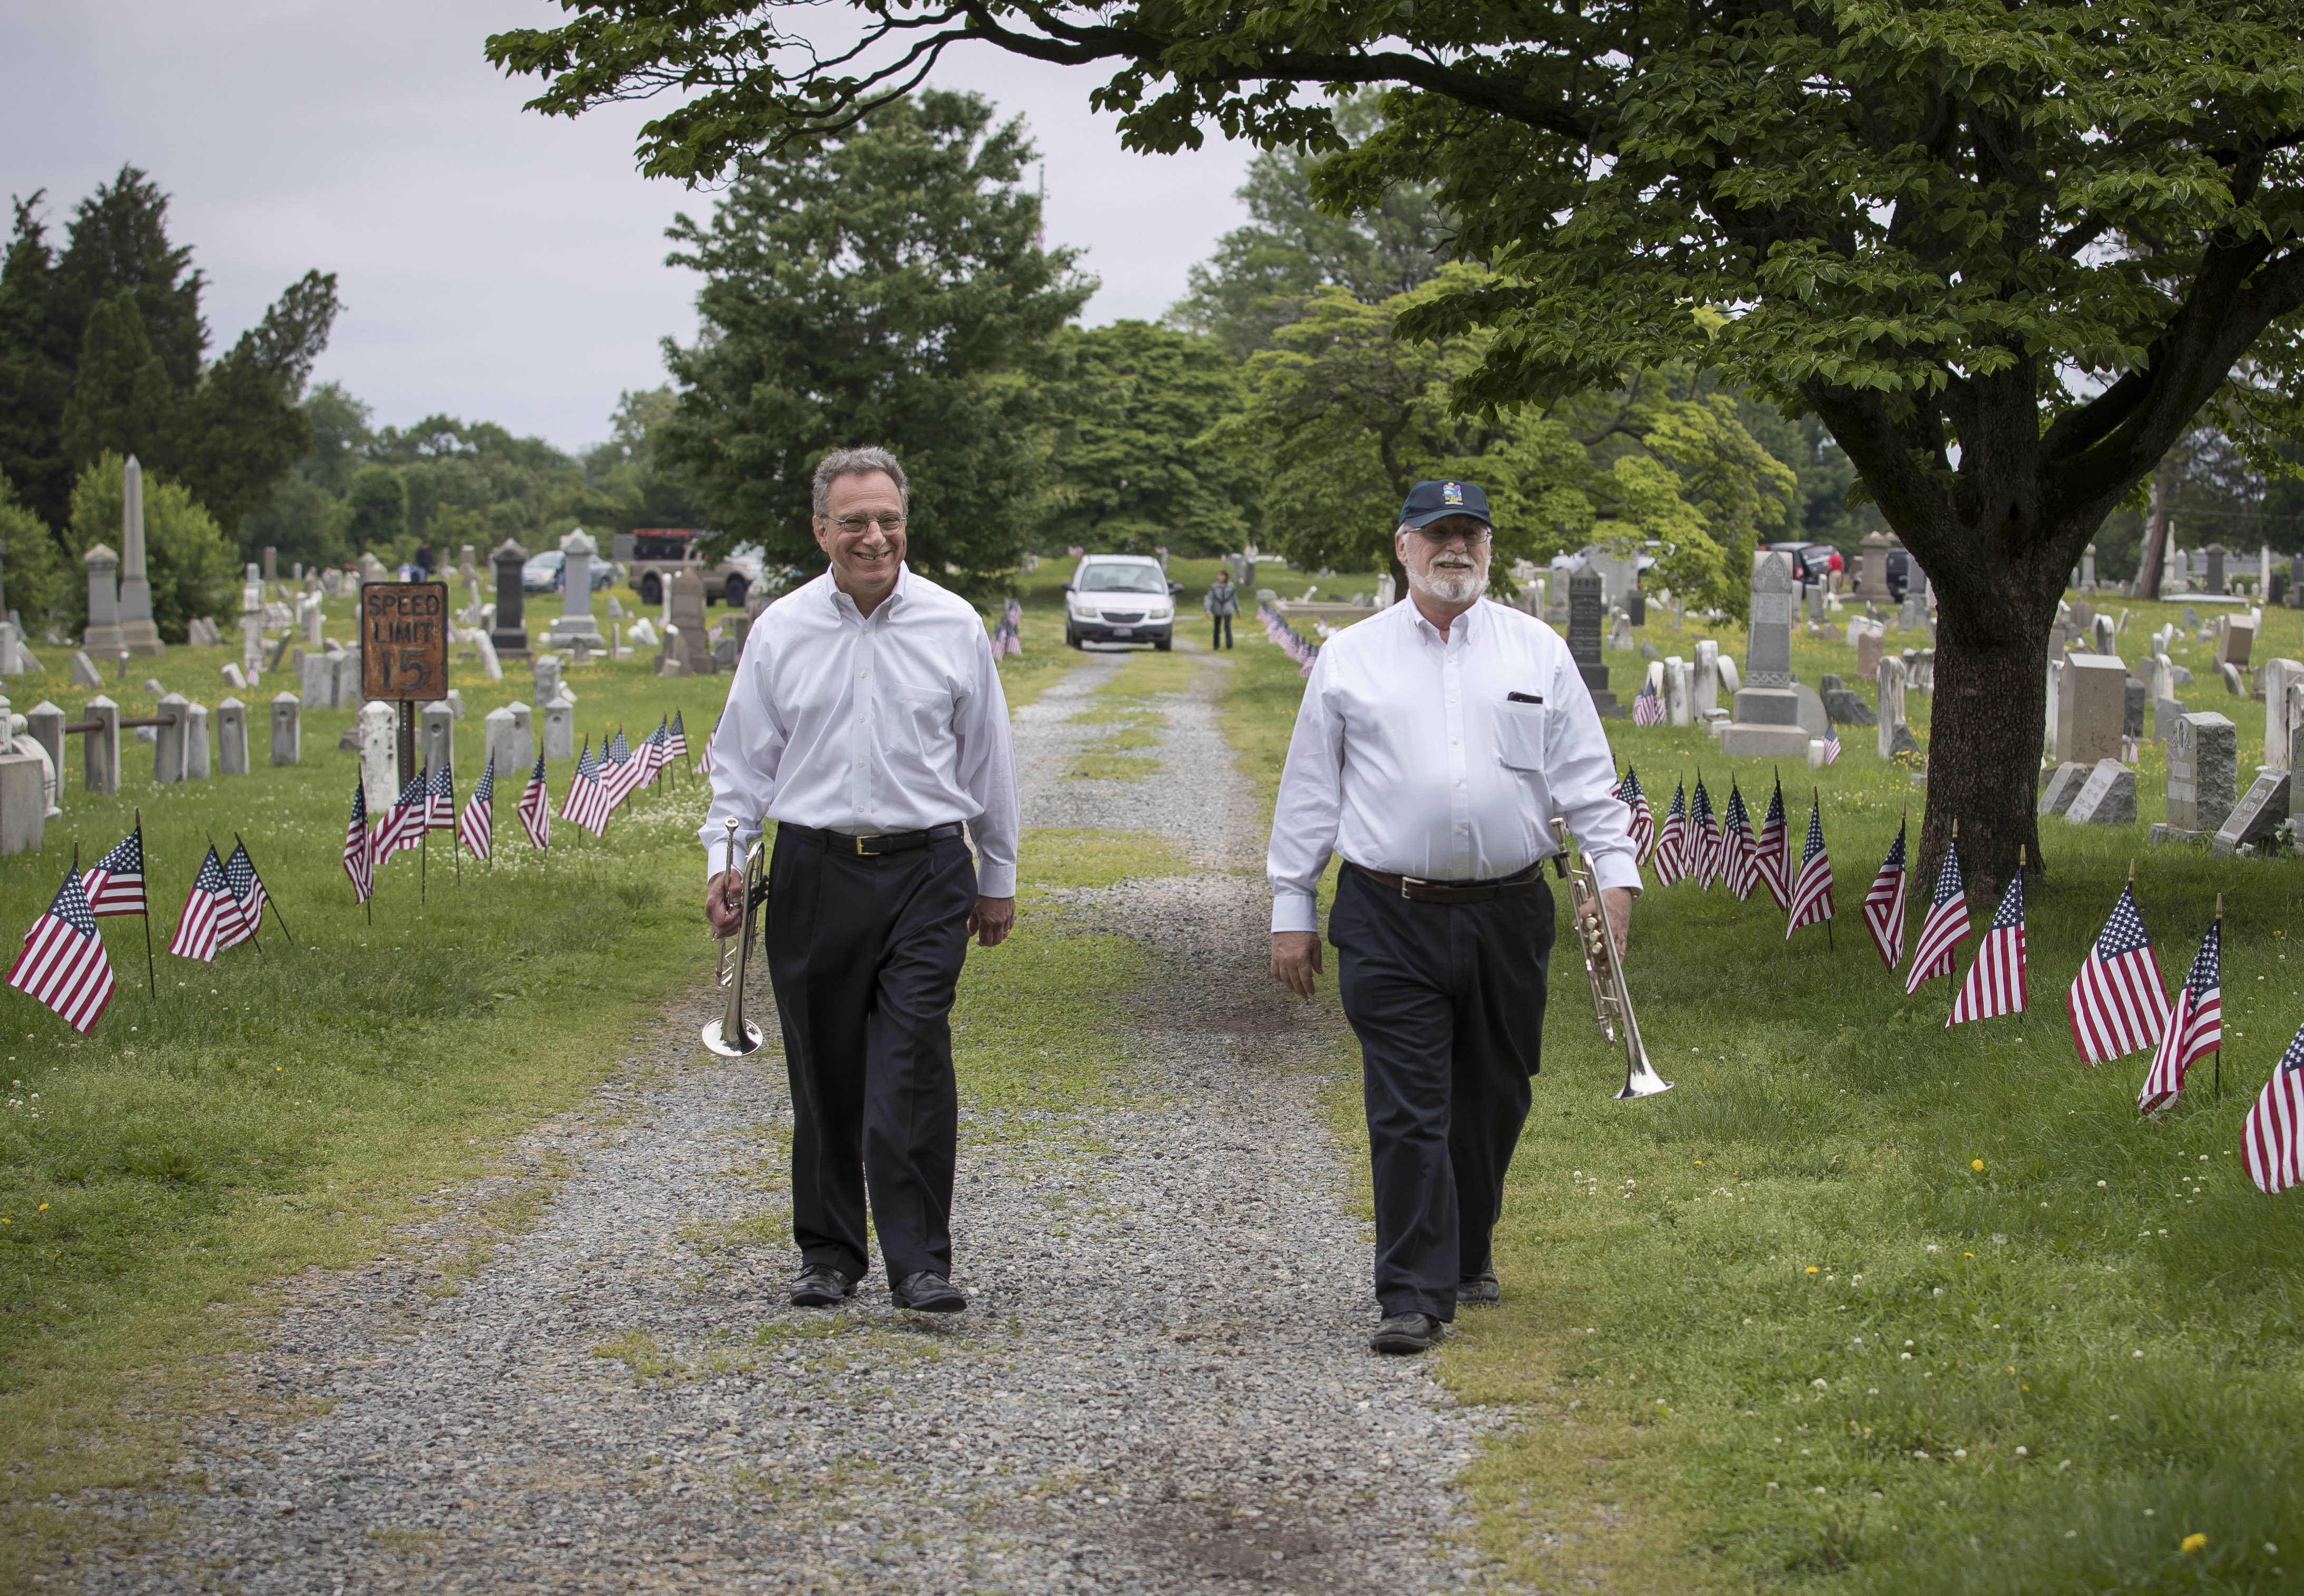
(1711, 1295)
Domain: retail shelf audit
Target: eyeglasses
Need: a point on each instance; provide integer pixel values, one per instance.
(1439, 536)
(853, 524)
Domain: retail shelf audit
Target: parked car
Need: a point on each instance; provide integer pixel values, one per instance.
(1811, 562)
(657, 551)
(541, 574)
(1120, 598)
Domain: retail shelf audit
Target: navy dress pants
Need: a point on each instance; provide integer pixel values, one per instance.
(864, 955)
(1447, 1000)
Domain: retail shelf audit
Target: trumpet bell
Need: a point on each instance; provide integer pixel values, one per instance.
(1642, 1081)
(716, 1037)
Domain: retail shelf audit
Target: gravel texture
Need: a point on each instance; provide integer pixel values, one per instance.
(1161, 1384)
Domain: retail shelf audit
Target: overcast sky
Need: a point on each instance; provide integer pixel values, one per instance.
(494, 264)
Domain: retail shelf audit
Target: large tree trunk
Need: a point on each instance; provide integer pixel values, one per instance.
(1985, 733)
(2155, 539)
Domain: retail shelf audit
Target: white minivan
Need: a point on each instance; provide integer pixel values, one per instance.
(1120, 598)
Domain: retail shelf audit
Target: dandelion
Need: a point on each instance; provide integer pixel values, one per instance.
(2193, 1542)
(1811, 1269)
(1976, 1164)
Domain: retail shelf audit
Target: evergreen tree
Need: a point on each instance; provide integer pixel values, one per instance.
(122, 400)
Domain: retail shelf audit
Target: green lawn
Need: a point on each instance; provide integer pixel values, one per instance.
(1865, 1304)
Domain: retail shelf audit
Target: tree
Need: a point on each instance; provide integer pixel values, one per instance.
(31, 561)
(241, 431)
(378, 499)
(882, 287)
(2007, 254)
(638, 488)
(1127, 468)
(121, 401)
(187, 557)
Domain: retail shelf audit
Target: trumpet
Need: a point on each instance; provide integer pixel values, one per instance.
(1612, 999)
(732, 1036)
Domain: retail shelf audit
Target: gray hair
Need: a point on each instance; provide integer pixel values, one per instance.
(856, 462)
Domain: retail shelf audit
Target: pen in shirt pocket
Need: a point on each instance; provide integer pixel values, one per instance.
(1536, 698)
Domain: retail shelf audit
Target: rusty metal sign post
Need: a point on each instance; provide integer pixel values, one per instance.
(403, 633)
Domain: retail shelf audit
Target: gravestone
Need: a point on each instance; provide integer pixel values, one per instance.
(2087, 569)
(318, 681)
(377, 728)
(1649, 650)
(455, 700)
(2215, 583)
(575, 622)
(684, 598)
(233, 678)
(1675, 690)
(2091, 707)
(490, 665)
(196, 742)
(1868, 649)
(2234, 682)
(644, 633)
(2131, 718)
(44, 724)
(2084, 616)
(1807, 710)
(1620, 632)
(2256, 817)
(2237, 642)
(232, 738)
(84, 674)
(2279, 729)
(1892, 705)
(137, 635)
(1901, 741)
(497, 744)
(2107, 798)
(2296, 583)
(560, 729)
(509, 635)
(2063, 785)
(168, 743)
(1586, 597)
(1730, 683)
(314, 618)
(1704, 682)
(102, 635)
(2191, 617)
(1767, 709)
(23, 798)
(1815, 604)
(1845, 706)
(1872, 577)
(2203, 771)
(545, 677)
(435, 746)
(287, 729)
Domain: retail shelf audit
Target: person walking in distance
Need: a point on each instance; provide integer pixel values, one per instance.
(1222, 602)
(866, 718)
(1435, 743)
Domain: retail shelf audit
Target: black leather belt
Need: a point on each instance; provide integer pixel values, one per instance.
(871, 845)
(1418, 891)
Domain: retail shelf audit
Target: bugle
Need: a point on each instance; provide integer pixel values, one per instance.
(732, 1036)
(1612, 999)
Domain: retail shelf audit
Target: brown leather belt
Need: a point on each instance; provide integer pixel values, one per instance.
(1418, 890)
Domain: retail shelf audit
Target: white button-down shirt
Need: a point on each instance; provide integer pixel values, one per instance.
(1411, 755)
(888, 723)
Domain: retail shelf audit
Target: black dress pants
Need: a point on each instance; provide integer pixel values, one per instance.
(1223, 632)
(864, 954)
(1448, 1002)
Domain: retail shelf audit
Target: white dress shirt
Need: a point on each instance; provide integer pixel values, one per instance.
(847, 722)
(1409, 758)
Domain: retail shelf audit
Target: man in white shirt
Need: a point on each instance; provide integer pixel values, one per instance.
(1435, 744)
(866, 718)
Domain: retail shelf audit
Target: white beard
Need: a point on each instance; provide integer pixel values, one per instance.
(1452, 585)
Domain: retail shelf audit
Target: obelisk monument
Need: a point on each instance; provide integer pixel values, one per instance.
(137, 635)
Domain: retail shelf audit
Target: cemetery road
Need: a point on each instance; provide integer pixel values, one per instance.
(1161, 1384)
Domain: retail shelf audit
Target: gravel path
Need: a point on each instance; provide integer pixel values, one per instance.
(1167, 1392)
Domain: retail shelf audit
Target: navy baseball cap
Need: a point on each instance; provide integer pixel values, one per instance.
(1428, 501)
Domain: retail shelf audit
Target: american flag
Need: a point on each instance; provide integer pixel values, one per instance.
(1772, 857)
(1812, 888)
(359, 847)
(535, 808)
(247, 886)
(620, 770)
(440, 798)
(1883, 904)
(212, 919)
(1647, 706)
(655, 750)
(1702, 846)
(1739, 857)
(703, 761)
(115, 884)
(1995, 980)
(676, 744)
(1945, 928)
(2118, 1003)
(402, 825)
(2196, 1024)
(476, 828)
(1671, 856)
(1642, 823)
(587, 803)
(63, 963)
(2272, 1142)
(1831, 743)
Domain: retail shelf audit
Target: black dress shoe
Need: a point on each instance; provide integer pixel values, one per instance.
(927, 1292)
(1404, 1333)
(820, 1285)
(1479, 1290)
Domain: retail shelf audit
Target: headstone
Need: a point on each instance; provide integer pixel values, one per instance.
(377, 725)
(2279, 676)
(2237, 642)
(495, 743)
(2296, 582)
(103, 636)
(2258, 816)
(197, 752)
(559, 729)
(545, 674)
(2062, 786)
(524, 736)
(1816, 599)
(314, 619)
(2091, 708)
(233, 678)
(1649, 650)
(332, 583)
(1767, 709)
(44, 724)
(11, 648)
(2203, 771)
(509, 635)
(2191, 617)
(1620, 632)
(1868, 649)
(2087, 569)
(23, 801)
(1704, 680)
(455, 700)
(137, 635)
(1676, 690)
(575, 621)
(1587, 595)
(1730, 683)
(1843, 705)
(84, 674)
(1872, 577)
(436, 744)
(2215, 583)
(373, 570)
(232, 738)
(2234, 682)
(287, 729)
(2083, 616)
(168, 745)
(644, 633)
(2107, 798)
(685, 637)
(319, 681)
(485, 646)
(100, 748)
(1902, 742)
(2175, 576)
(1891, 677)
(1807, 710)
(2132, 717)
(615, 608)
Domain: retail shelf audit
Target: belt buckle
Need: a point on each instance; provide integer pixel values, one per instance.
(1408, 881)
(860, 852)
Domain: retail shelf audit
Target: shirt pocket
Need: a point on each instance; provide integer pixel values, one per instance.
(1519, 737)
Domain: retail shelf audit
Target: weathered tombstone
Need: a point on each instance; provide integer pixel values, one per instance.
(1730, 683)
(1620, 630)
(2087, 569)
(100, 748)
(2237, 642)
(615, 608)
(2203, 771)
(1815, 604)
(1676, 690)
(509, 635)
(2107, 798)
(2215, 583)
(377, 725)
(44, 724)
(2296, 582)
(319, 681)
(23, 799)
(2256, 817)
(102, 637)
(2131, 718)
(84, 674)
(1768, 710)
(686, 635)
(2234, 682)
(490, 666)
(544, 671)
(2091, 707)
(2063, 785)
(137, 635)
(1704, 680)
(523, 735)
(287, 729)
(455, 700)
(314, 618)
(436, 744)
(496, 742)
(197, 753)
(1868, 649)
(2279, 676)
(232, 738)
(1842, 705)
(1872, 577)
(575, 622)
(233, 678)
(168, 745)
(1891, 704)
(644, 633)
(1587, 593)
(1809, 710)
(560, 729)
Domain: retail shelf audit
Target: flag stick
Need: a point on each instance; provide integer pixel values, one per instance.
(422, 837)
(145, 914)
(268, 898)
(2220, 1030)
(1815, 796)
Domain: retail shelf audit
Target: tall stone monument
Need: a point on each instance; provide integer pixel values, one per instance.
(1872, 581)
(1587, 603)
(575, 623)
(137, 635)
(1767, 708)
(509, 635)
(102, 639)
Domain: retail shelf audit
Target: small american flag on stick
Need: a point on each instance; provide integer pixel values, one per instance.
(402, 825)
(1739, 857)
(1937, 953)
(440, 798)
(676, 746)
(1831, 743)
(476, 827)
(63, 963)
(587, 803)
(2273, 1141)
(248, 893)
(1703, 837)
(1773, 857)
(535, 808)
(1883, 904)
(1647, 706)
(1672, 843)
(359, 847)
(1812, 888)
(1642, 822)
(2117, 1003)
(211, 920)
(114, 884)
(2196, 1024)
(1995, 980)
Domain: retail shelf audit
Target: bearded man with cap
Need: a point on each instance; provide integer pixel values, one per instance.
(1434, 744)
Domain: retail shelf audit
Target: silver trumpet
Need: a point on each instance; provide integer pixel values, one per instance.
(1612, 999)
(732, 1036)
